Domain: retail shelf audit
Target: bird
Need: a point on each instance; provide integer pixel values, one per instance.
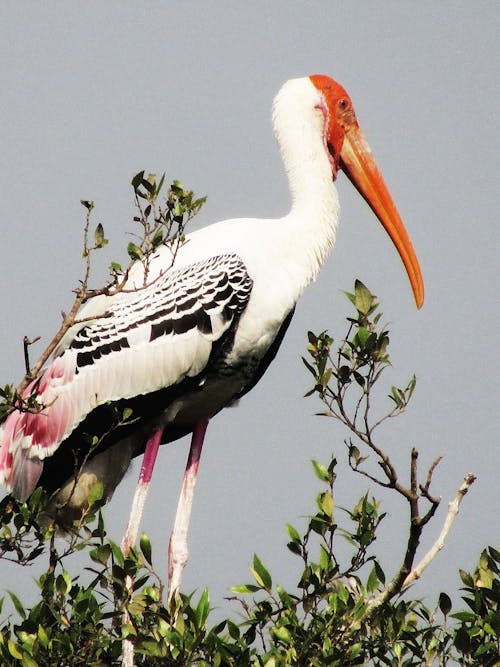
(190, 336)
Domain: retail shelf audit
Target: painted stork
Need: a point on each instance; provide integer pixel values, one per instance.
(202, 332)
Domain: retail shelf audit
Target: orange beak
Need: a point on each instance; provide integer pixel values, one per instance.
(356, 160)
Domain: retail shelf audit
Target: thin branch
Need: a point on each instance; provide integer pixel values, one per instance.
(424, 488)
(67, 323)
(453, 509)
(372, 478)
(406, 576)
(26, 343)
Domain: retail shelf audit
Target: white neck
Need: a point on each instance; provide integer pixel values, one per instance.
(312, 222)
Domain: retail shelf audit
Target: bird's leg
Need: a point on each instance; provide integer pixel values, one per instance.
(130, 537)
(177, 548)
(141, 490)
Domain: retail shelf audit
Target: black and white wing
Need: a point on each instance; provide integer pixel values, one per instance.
(144, 341)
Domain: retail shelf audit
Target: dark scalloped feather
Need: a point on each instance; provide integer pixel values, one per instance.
(177, 302)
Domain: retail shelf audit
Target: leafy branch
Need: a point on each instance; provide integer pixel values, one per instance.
(345, 380)
(162, 219)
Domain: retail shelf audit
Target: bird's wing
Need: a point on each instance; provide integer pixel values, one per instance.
(145, 340)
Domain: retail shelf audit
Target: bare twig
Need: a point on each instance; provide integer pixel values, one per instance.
(406, 575)
(424, 488)
(26, 343)
(453, 508)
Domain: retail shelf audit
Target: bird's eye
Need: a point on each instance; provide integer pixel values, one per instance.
(343, 104)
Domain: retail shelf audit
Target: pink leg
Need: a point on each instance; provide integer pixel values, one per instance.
(141, 490)
(130, 537)
(177, 548)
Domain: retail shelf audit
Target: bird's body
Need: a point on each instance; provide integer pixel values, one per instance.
(203, 329)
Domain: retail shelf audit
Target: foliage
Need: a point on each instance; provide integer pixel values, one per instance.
(327, 620)
(345, 610)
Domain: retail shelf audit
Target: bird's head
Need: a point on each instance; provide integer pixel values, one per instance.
(349, 151)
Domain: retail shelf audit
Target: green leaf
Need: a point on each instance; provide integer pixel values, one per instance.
(354, 650)
(354, 454)
(262, 576)
(464, 616)
(312, 338)
(326, 503)
(372, 582)
(379, 571)
(282, 634)
(293, 533)
(134, 252)
(42, 636)
(310, 368)
(350, 296)
(137, 180)
(157, 238)
(63, 583)
(444, 603)
(411, 387)
(151, 648)
(99, 238)
(95, 493)
(202, 609)
(13, 650)
(462, 640)
(363, 334)
(320, 471)
(117, 553)
(344, 374)
(363, 298)
(324, 558)
(160, 184)
(381, 348)
(489, 630)
(89, 205)
(397, 396)
(127, 413)
(295, 548)
(101, 554)
(245, 588)
(145, 544)
(18, 606)
(359, 378)
(466, 578)
(177, 187)
(233, 629)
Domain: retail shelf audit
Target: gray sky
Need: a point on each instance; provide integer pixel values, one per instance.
(94, 92)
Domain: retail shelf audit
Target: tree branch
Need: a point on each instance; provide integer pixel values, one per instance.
(26, 343)
(453, 509)
(406, 576)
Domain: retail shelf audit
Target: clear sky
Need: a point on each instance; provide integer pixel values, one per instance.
(94, 92)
